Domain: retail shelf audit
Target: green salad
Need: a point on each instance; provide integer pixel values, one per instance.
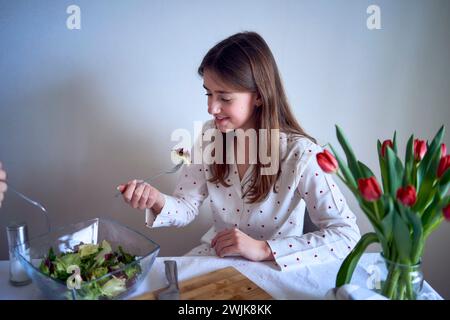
(87, 262)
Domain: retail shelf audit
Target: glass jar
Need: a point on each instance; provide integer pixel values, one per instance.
(397, 281)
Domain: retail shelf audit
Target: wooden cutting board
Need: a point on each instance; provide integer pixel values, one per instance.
(223, 284)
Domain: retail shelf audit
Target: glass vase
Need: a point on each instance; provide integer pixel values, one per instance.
(399, 281)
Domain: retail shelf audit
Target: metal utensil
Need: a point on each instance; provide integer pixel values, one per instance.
(33, 202)
(172, 292)
(173, 170)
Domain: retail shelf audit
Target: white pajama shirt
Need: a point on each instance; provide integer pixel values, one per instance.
(279, 218)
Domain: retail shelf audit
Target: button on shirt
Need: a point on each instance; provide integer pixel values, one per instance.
(279, 218)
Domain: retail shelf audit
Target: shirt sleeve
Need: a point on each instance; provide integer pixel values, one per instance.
(183, 205)
(338, 232)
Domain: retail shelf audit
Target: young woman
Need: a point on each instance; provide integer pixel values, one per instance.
(256, 215)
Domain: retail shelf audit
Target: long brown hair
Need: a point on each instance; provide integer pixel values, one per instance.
(245, 62)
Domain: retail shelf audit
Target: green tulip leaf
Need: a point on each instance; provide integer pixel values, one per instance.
(409, 162)
(402, 239)
(383, 169)
(366, 172)
(434, 212)
(430, 212)
(394, 142)
(426, 190)
(444, 184)
(429, 155)
(350, 179)
(387, 223)
(417, 235)
(351, 159)
(395, 171)
(347, 268)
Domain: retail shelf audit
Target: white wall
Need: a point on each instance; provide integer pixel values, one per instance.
(83, 110)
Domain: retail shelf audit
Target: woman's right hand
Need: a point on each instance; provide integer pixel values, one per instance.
(141, 195)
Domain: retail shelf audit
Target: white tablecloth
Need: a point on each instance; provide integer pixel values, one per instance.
(308, 282)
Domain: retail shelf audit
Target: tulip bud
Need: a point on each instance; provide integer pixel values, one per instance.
(420, 148)
(443, 150)
(327, 162)
(444, 164)
(369, 188)
(407, 195)
(446, 212)
(386, 143)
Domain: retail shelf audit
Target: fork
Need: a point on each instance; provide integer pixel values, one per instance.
(173, 170)
(31, 201)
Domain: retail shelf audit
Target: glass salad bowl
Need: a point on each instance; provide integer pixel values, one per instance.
(90, 260)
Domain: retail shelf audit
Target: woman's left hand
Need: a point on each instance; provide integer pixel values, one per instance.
(234, 241)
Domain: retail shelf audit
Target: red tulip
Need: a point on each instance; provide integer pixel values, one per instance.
(327, 162)
(369, 188)
(407, 195)
(386, 143)
(420, 148)
(444, 164)
(446, 212)
(443, 150)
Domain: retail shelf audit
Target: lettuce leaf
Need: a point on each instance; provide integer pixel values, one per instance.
(87, 249)
(114, 287)
(94, 262)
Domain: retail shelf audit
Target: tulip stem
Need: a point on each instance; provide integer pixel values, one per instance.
(391, 282)
(377, 213)
(341, 177)
(355, 191)
(409, 288)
